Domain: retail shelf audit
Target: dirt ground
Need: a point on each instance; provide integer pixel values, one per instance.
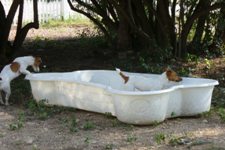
(22, 127)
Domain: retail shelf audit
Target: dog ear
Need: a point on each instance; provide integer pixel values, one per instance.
(168, 72)
(167, 68)
(37, 61)
(15, 66)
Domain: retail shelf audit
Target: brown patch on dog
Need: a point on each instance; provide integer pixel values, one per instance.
(15, 66)
(172, 76)
(37, 61)
(126, 78)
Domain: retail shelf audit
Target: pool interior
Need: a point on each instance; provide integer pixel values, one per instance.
(111, 79)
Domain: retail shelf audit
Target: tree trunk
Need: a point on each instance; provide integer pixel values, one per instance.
(22, 32)
(220, 29)
(187, 26)
(6, 28)
(123, 37)
(196, 42)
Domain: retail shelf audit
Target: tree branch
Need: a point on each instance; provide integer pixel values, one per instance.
(22, 33)
(102, 28)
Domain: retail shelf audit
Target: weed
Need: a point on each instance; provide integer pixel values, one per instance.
(19, 123)
(73, 125)
(19, 142)
(34, 147)
(155, 123)
(174, 141)
(1, 135)
(173, 114)
(192, 58)
(115, 123)
(207, 114)
(218, 98)
(159, 138)
(149, 68)
(184, 71)
(131, 138)
(208, 63)
(221, 113)
(31, 105)
(89, 125)
(41, 110)
(109, 147)
(87, 140)
(109, 115)
(180, 140)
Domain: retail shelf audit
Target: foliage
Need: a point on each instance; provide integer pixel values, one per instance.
(184, 26)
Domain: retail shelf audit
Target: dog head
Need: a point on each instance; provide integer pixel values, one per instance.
(172, 75)
(37, 63)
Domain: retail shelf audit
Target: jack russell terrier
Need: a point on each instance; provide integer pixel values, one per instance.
(136, 82)
(13, 70)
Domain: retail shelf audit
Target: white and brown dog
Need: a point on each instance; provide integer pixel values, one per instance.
(13, 70)
(141, 83)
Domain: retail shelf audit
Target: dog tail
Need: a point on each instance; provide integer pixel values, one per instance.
(118, 70)
(125, 78)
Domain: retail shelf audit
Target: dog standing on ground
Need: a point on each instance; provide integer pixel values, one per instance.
(13, 70)
(147, 84)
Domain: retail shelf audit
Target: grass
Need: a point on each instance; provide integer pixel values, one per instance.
(83, 41)
(68, 22)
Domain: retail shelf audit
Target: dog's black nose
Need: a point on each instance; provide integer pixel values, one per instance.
(0, 78)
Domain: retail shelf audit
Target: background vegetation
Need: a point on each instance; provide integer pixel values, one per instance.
(165, 28)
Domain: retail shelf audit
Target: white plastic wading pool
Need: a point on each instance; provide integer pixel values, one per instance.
(104, 91)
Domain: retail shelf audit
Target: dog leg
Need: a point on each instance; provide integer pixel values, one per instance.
(24, 71)
(8, 93)
(1, 101)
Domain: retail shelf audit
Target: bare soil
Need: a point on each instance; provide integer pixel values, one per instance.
(99, 131)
